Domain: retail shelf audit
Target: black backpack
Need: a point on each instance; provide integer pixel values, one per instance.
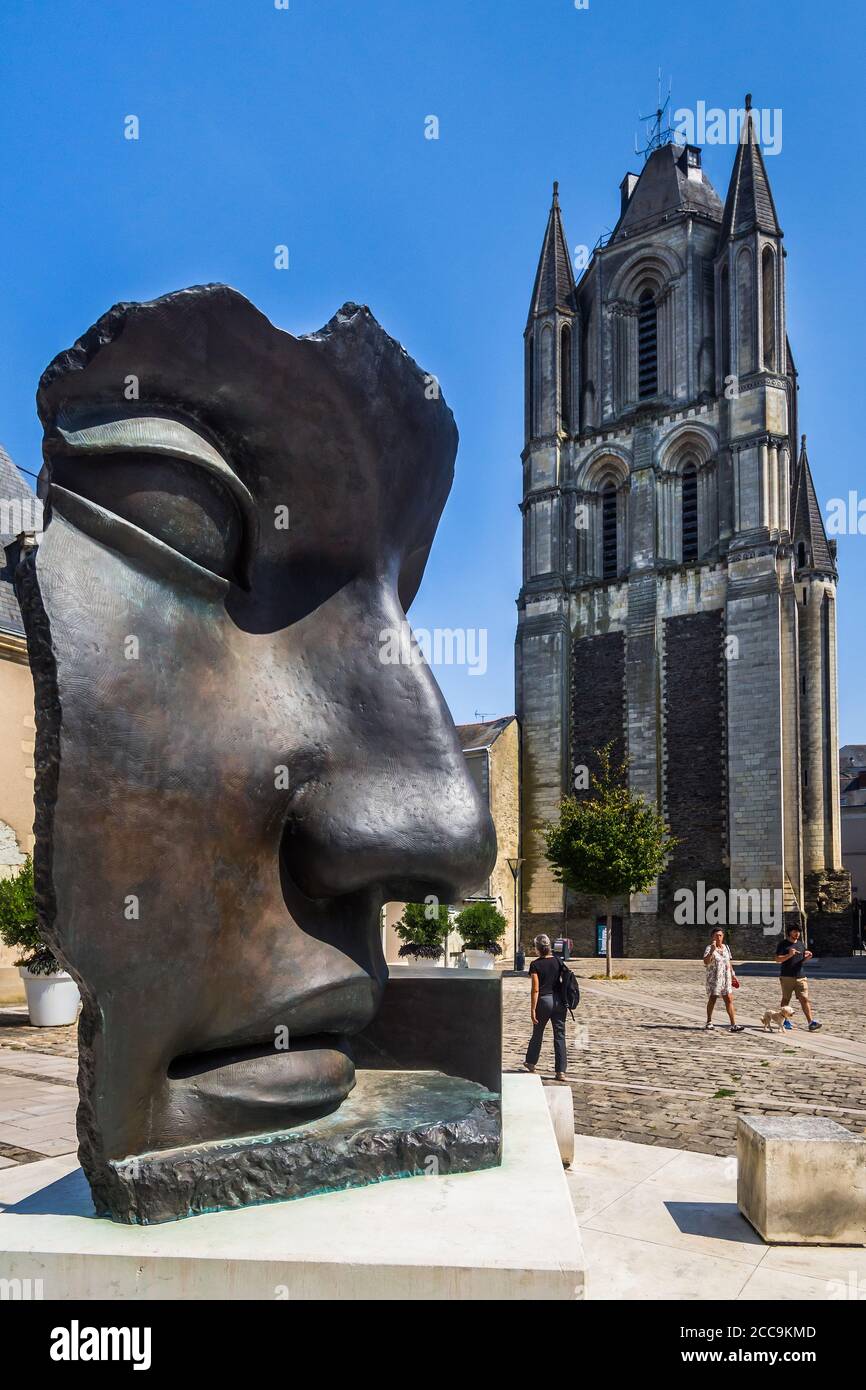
(569, 989)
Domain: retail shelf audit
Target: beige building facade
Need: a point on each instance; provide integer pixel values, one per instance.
(492, 752)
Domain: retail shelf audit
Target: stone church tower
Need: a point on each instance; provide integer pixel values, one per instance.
(679, 593)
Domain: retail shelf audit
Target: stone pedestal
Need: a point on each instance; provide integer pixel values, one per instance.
(801, 1180)
(460, 1236)
(560, 1103)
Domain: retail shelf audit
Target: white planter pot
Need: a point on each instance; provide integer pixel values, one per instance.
(422, 964)
(52, 1000)
(478, 960)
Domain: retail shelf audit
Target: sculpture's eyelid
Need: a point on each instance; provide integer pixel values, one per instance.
(154, 434)
(104, 525)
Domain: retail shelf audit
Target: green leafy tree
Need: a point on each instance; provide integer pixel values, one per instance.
(19, 925)
(422, 929)
(610, 843)
(482, 927)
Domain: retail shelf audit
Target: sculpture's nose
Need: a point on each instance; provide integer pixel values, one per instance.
(391, 805)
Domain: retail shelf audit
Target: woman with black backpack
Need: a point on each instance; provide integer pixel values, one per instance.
(547, 1005)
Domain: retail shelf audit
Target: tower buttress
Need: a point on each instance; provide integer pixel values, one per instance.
(815, 579)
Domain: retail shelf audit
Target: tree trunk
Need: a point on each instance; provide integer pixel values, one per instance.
(608, 940)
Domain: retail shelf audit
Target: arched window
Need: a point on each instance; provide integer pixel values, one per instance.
(768, 301)
(690, 512)
(647, 346)
(801, 556)
(609, 564)
(565, 380)
(530, 387)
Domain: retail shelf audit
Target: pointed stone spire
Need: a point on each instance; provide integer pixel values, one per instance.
(749, 205)
(807, 528)
(554, 279)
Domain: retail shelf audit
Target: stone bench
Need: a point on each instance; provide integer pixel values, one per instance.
(801, 1180)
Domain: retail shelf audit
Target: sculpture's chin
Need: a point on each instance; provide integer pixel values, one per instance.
(255, 1090)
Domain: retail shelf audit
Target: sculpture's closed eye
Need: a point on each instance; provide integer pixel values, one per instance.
(155, 488)
(180, 505)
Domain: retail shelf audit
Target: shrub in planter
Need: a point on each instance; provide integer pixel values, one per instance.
(482, 927)
(19, 926)
(422, 929)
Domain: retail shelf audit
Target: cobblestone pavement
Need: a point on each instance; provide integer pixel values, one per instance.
(17, 1035)
(641, 1075)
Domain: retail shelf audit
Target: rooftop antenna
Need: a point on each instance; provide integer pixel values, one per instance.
(658, 128)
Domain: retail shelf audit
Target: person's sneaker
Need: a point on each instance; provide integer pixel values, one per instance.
(561, 1076)
(788, 1026)
(737, 1028)
(527, 1067)
(708, 1027)
(814, 1026)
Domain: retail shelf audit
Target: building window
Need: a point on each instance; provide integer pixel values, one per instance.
(608, 532)
(690, 513)
(801, 557)
(647, 346)
(565, 380)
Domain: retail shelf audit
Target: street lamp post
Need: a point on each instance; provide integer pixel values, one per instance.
(514, 866)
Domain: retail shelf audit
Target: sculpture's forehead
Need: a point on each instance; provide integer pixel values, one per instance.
(341, 426)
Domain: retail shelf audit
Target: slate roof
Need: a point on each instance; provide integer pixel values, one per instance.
(852, 755)
(808, 524)
(482, 735)
(665, 187)
(554, 279)
(12, 488)
(749, 203)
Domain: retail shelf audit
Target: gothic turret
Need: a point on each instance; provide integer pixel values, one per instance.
(812, 551)
(550, 354)
(752, 357)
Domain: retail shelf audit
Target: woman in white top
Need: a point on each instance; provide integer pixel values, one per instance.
(720, 980)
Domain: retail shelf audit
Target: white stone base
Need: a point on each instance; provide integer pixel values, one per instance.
(506, 1233)
(801, 1180)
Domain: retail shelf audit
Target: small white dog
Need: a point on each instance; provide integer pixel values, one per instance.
(776, 1016)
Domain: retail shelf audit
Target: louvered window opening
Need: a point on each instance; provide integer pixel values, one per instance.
(690, 514)
(608, 532)
(647, 346)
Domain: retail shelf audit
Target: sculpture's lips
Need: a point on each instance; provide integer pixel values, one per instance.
(274, 1086)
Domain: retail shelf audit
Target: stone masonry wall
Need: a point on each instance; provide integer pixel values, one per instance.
(597, 698)
(597, 717)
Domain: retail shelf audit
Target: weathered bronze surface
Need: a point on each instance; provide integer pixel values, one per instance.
(232, 773)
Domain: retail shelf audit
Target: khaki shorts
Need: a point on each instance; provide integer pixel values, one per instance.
(793, 984)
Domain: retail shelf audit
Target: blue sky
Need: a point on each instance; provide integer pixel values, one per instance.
(305, 126)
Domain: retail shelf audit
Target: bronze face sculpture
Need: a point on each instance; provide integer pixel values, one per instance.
(230, 778)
